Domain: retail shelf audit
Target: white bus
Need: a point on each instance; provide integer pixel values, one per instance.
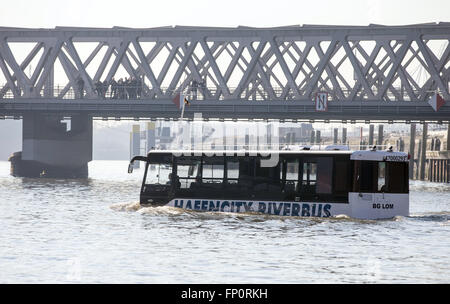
(368, 184)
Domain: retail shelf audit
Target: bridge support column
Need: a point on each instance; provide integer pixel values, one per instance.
(423, 151)
(54, 148)
(335, 136)
(412, 144)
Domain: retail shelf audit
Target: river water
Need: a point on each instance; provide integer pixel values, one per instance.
(93, 231)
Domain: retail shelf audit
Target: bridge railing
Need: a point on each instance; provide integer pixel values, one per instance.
(206, 93)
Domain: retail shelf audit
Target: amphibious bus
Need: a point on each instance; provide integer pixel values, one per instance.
(366, 184)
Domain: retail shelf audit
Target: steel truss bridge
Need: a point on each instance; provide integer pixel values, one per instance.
(370, 72)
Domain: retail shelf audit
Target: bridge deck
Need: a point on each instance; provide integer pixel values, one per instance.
(230, 109)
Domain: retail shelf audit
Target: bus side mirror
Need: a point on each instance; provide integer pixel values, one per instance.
(130, 168)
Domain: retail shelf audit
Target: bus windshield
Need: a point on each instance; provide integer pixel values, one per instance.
(159, 174)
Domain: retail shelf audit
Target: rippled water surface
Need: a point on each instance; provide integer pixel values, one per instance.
(93, 231)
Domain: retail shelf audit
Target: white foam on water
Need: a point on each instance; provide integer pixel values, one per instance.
(134, 206)
(160, 210)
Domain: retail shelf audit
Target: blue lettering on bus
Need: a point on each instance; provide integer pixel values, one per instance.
(212, 206)
(305, 210)
(262, 207)
(277, 210)
(225, 203)
(248, 206)
(326, 210)
(313, 210)
(287, 209)
(179, 204)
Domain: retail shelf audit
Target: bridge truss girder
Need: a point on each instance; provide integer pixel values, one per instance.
(373, 63)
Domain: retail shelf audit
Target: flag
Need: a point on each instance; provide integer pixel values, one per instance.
(436, 102)
(177, 100)
(187, 102)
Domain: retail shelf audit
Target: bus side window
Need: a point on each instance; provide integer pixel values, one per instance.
(397, 177)
(309, 173)
(341, 177)
(213, 171)
(232, 171)
(308, 177)
(187, 173)
(381, 186)
(292, 168)
(366, 176)
(324, 175)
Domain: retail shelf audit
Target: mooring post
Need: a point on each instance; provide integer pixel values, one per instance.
(419, 153)
(448, 137)
(380, 136)
(150, 137)
(135, 144)
(344, 136)
(412, 144)
(371, 129)
(318, 137)
(424, 151)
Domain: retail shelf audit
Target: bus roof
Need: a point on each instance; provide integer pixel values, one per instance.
(378, 155)
(374, 155)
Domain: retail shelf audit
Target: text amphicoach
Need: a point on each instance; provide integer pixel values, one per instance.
(368, 184)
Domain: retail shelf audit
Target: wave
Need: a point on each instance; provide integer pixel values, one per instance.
(441, 216)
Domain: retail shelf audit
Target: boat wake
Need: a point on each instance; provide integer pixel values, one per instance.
(135, 206)
(251, 216)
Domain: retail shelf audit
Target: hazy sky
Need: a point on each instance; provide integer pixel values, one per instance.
(262, 13)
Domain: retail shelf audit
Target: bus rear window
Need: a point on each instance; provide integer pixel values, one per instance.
(386, 177)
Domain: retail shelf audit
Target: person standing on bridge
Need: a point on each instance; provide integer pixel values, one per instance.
(114, 88)
(121, 88)
(105, 86)
(98, 88)
(139, 87)
(80, 84)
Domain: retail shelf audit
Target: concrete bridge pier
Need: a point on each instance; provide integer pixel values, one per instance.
(53, 147)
